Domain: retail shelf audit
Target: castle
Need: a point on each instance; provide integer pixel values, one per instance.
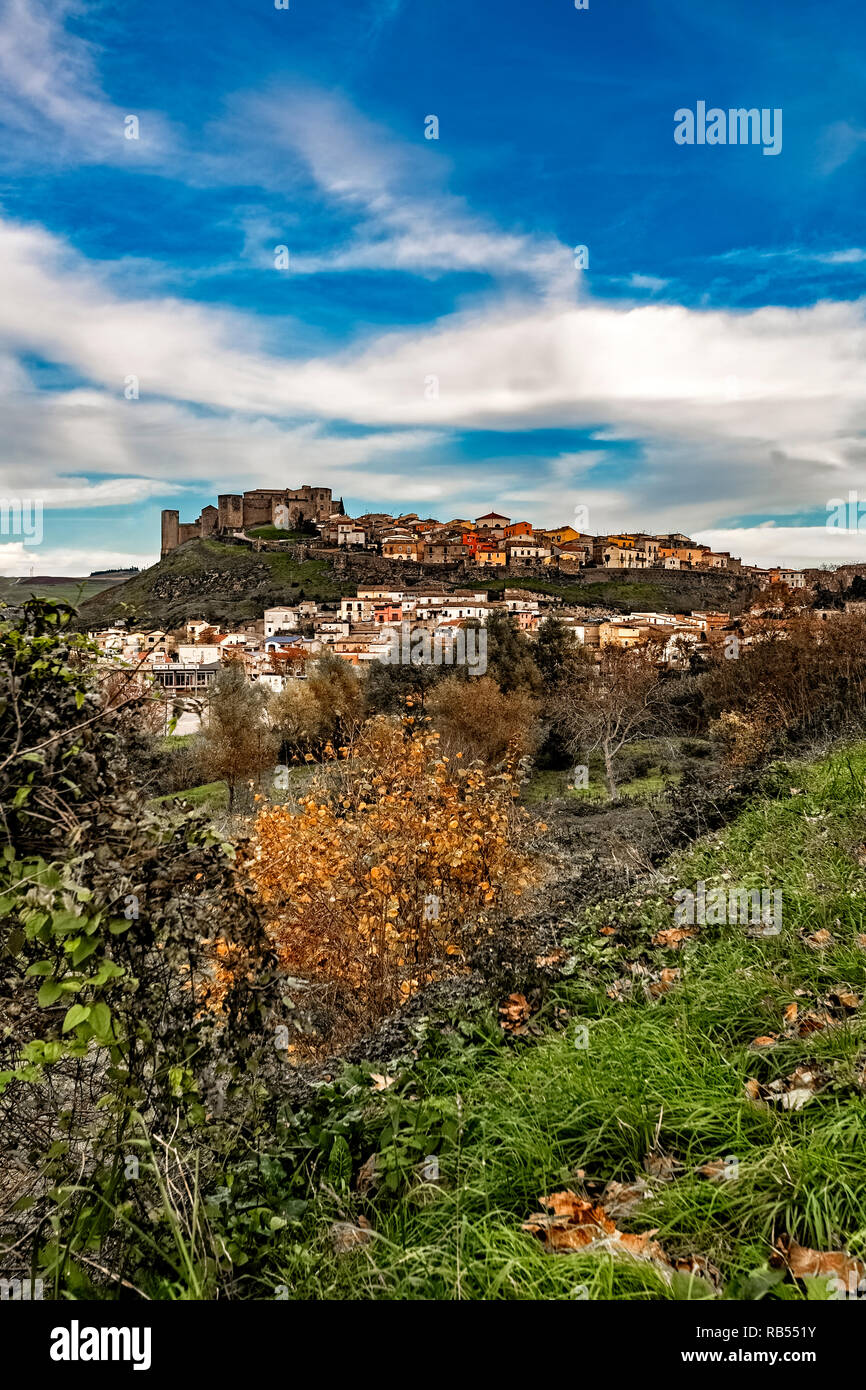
(286, 507)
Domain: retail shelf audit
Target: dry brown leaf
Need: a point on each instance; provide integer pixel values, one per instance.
(673, 936)
(819, 939)
(620, 1199)
(668, 978)
(845, 997)
(345, 1236)
(766, 1040)
(789, 1092)
(790, 1013)
(369, 1174)
(380, 1082)
(805, 1263)
(607, 931)
(662, 1167)
(514, 1013)
(569, 1222)
(555, 958)
(716, 1170)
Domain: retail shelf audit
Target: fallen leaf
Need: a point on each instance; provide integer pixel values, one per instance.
(607, 931)
(380, 1082)
(345, 1236)
(816, 1264)
(514, 1013)
(673, 936)
(790, 1013)
(621, 1198)
(369, 1174)
(663, 1167)
(819, 939)
(789, 1092)
(570, 1222)
(555, 958)
(668, 978)
(845, 997)
(766, 1040)
(717, 1170)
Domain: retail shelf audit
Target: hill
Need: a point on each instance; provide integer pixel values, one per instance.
(74, 589)
(231, 582)
(702, 1089)
(223, 583)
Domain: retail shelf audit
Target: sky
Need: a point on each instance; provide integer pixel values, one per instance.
(439, 257)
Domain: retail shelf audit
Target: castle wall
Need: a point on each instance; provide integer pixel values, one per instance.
(235, 511)
(231, 511)
(170, 531)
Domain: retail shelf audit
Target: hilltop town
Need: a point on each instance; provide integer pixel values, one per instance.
(475, 559)
(492, 541)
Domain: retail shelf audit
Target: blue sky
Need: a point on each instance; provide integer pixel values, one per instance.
(434, 344)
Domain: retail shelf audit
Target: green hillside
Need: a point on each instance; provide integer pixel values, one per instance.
(222, 583)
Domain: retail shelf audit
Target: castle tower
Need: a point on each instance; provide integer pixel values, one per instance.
(170, 532)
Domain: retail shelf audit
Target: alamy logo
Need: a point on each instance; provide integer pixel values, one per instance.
(762, 907)
(20, 1290)
(21, 516)
(77, 1343)
(737, 126)
(418, 647)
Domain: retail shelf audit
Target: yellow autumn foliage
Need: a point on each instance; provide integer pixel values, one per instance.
(388, 869)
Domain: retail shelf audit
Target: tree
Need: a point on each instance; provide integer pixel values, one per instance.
(390, 868)
(557, 654)
(237, 743)
(622, 699)
(509, 655)
(478, 720)
(388, 688)
(324, 710)
(137, 984)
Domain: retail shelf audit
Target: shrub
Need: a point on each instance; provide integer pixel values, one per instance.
(390, 870)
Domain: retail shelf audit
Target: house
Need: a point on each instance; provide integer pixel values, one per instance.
(795, 579)
(493, 521)
(280, 620)
(186, 678)
(616, 633)
(401, 548)
(196, 654)
(527, 552)
(491, 557)
(440, 552)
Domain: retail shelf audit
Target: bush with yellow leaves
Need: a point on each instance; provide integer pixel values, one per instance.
(392, 865)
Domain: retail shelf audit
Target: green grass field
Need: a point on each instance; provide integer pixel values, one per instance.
(661, 1073)
(75, 592)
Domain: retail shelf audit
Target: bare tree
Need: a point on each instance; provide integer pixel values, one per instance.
(612, 704)
(237, 743)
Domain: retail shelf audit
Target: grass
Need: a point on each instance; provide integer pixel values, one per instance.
(213, 795)
(75, 592)
(228, 583)
(509, 1122)
(549, 784)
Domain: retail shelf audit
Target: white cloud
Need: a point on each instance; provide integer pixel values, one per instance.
(19, 560)
(790, 546)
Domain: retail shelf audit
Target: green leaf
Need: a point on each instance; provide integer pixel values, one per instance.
(100, 1020)
(48, 994)
(83, 951)
(40, 967)
(79, 1013)
(687, 1288)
